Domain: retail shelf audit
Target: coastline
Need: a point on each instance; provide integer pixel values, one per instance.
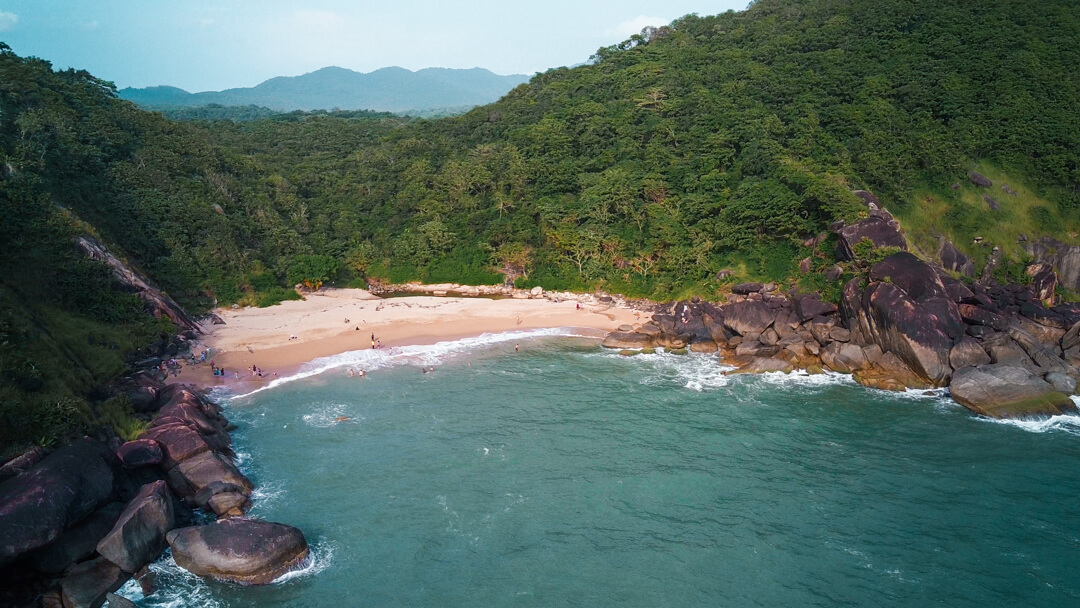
(280, 339)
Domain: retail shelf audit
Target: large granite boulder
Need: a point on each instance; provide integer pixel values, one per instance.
(1044, 282)
(178, 443)
(140, 453)
(747, 317)
(968, 353)
(1064, 258)
(906, 311)
(61, 490)
(139, 534)
(880, 228)
(244, 551)
(623, 339)
(192, 475)
(843, 357)
(1007, 391)
(953, 259)
(808, 307)
(78, 542)
(87, 584)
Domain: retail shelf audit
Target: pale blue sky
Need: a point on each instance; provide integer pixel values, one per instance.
(203, 45)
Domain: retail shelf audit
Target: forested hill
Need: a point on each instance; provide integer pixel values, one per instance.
(717, 143)
(390, 89)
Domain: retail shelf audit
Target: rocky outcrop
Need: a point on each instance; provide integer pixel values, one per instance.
(88, 583)
(906, 310)
(880, 228)
(1062, 257)
(242, 551)
(64, 488)
(1007, 391)
(161, 305)
(979, 179)
(627, 340)
(139, 534)
(953, 259)
(140, 453)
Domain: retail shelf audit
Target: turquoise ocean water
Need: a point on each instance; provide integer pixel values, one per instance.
(566, 475)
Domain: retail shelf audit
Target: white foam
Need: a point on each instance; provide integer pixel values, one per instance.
(802, 378)
(174, 587)
(1068, 423)
(319, 558)
(429, 354)
(331, 414)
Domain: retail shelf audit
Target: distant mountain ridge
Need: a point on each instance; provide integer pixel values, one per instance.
(391, 89)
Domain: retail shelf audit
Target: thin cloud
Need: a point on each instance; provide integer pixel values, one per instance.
(91, 25)
(8, 21)
(634, 26)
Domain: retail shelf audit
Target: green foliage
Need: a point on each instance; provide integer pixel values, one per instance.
(117, 413)
(313, 270)
(869, 254)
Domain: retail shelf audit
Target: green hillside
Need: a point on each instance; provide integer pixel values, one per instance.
(715, 143)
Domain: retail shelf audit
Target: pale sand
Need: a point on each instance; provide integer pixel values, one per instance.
(265, 336)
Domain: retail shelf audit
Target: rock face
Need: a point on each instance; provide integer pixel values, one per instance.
(78, 542)
(953, 259)
(880, 228)
(59, 492)
(629, 340)
(242, 551)
(1065, 259)
(139, 534)
(906, 311)
(140, 453)
(88, 583)
(1007, 391)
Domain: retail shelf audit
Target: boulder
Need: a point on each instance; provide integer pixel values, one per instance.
(705, 346)
(1045, 357)
(843, 357)
(756, 349)
(839, 334)
(140, 453)
(748, 316)
(968, 353)
(991, 203)
(880, 228)
(746, 288)
(918, 279)
(197, 472)
(1044, 282)
(953, 259)
(979, 180)
(622, 340)
(87, 584)
(1043, 316)
(139, 534)
(1062, 257)
(244, 551)
(834, 273)
(78, 542)
(178, 443)
(1061, 382)
(230, 504)
(1007, 391)
(61, 490)
(808, 307)
(869, 198)
(957, 291)
(974, 315)
(1071, 337)
(649, 329)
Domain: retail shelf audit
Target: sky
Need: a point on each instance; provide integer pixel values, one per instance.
(208, 45)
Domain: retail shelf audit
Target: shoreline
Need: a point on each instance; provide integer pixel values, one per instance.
(281, 339)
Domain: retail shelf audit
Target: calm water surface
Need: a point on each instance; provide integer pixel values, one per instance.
(562, 475)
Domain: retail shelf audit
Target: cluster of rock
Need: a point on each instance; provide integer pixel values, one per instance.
(1000, 349)
(88, 517)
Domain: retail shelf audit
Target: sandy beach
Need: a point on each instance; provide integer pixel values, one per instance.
(279, 339)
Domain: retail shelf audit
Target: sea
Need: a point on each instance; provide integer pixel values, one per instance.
(538, 469)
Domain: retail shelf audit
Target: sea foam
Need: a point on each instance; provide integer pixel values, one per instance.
(368, 360)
